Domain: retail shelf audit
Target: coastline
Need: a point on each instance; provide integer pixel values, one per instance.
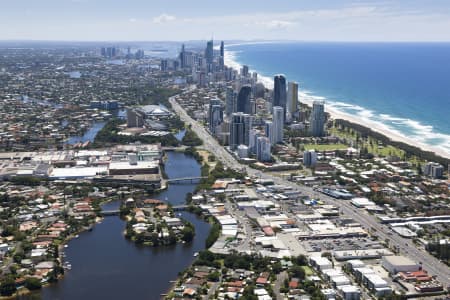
(375, 126)
(306, 98)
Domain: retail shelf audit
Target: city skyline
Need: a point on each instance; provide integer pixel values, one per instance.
(138, 20)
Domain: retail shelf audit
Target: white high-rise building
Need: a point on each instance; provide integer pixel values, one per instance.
(263, 149)
(278, 123)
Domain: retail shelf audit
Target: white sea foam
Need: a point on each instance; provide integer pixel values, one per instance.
(403, 129)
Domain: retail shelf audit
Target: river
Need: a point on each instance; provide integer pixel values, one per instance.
(91, 133)
(107, 266)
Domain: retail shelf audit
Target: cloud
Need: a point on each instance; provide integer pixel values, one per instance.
(364, 20)
(163, 18)
(279, 24)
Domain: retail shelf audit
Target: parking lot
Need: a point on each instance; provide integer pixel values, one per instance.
(341, 244)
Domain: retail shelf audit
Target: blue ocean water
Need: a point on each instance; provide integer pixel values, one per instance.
(404, 87)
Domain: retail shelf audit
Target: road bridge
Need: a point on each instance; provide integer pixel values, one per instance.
(185, 180)
(106, 213)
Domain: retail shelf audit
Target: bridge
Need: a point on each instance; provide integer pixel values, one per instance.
(179, 207)
(185, 180)
(178, 148)
(106, 213)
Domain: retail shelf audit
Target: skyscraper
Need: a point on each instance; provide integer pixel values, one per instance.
(243, 100)
(292, 99)
(215, 115)
(263, 149)
(209, 52)
(278, 123)
(239, 129)
(279, 92)
(317, 120)
(230, 101)
(182, 57)
(222, 49)
(244, 71)
(253, 137)
(270, 133)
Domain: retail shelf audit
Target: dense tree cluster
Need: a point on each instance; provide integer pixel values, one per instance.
(109, 136)
(191, 139)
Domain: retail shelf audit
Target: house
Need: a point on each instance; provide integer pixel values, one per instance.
(189, 292)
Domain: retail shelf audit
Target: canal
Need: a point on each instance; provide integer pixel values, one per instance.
(107, 266)
(96, 126)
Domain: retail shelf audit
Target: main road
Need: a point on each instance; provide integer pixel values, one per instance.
(405, 246)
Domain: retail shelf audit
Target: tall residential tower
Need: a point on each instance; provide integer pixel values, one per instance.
(317, 120)
(279, 92)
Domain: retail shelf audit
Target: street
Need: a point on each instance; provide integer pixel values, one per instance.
(406, 247)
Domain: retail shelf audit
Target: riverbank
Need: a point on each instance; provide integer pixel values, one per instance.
(103, 261)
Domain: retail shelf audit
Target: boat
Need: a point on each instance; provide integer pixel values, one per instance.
(66, 246)
(77, 236)
(195, 254)
(67, 265)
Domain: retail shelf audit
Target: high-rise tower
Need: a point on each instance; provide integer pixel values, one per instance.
(278, 123)
(279, 92)
(239, 129)
(317, 120)
(222, 49)
(209, 52)
(292, 99)
(243, 100)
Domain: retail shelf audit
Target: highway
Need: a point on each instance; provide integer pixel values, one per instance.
(406, 246)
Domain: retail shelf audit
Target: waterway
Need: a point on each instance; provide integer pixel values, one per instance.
(107, 266)
(90, 134)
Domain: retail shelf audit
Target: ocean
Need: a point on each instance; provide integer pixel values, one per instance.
(402, 89)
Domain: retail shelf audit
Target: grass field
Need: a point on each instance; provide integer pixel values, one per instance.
(308, 270)
(370, 143)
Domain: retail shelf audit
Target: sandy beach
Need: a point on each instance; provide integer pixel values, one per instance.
(375, 126)
(336, 114)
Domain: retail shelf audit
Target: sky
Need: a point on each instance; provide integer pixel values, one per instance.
(182, 20)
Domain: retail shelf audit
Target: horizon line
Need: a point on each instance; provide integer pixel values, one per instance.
(225, 40)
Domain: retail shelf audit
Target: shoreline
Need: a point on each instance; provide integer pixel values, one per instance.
(335, 114)
(230, 60)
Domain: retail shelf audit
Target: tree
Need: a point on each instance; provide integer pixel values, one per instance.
(187, 234)
(298, 272)
(7, 286)
(300, 260)
(33, 283)
(214, 276)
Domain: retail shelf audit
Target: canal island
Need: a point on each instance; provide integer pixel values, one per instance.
(56, 195)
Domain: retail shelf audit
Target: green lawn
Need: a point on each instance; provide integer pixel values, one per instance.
(325, 147)
(308, 270)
